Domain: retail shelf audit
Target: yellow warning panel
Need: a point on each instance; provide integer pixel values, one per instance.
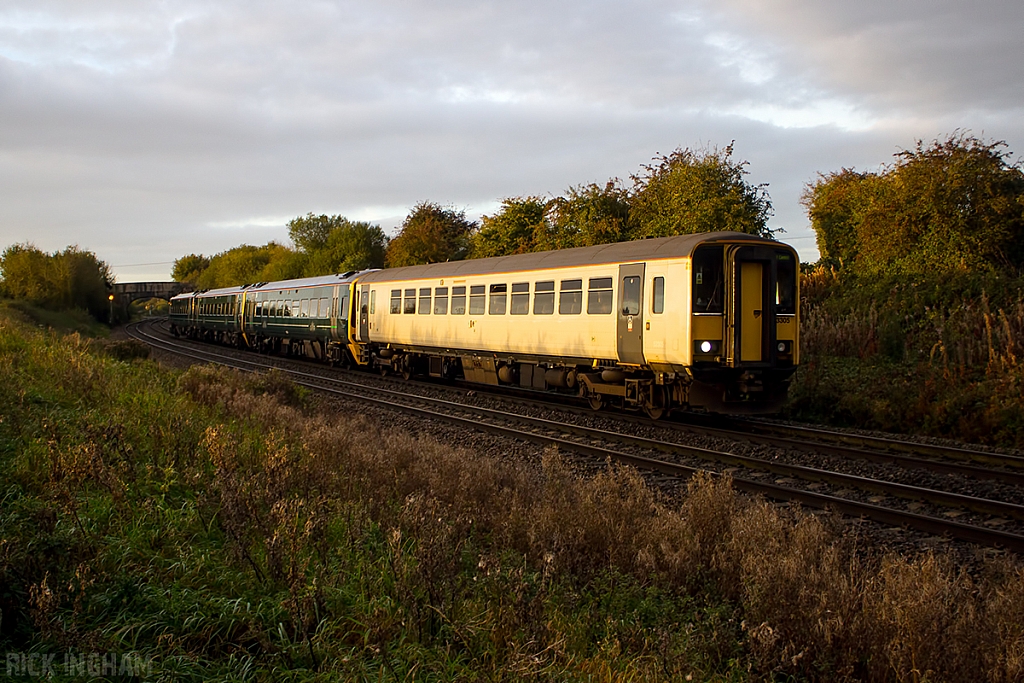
(751, 315)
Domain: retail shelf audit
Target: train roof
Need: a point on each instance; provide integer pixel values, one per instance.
(319, 281)
(679, 246)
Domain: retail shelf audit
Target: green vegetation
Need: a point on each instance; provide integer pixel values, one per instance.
(914, 318)
(431, 233)
(324, 245)
(685, 192)
(216, 526)
(64, 280)
(689, 192)
(953, 206)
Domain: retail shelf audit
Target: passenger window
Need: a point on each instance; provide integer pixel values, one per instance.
(599, 298)
(477, 299)
(520, 298)
(296, 306)
(658, 297)
(373, 301)
(458, 301)
(708, 286)
(396, 301)
(631, 295)
(544, 298)
(570, 298)
(440, 301)
(499, 299)
(424, 300)
(785, 285)
(410, 301)
(304, 309)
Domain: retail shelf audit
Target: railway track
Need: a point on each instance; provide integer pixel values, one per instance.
(790, 482)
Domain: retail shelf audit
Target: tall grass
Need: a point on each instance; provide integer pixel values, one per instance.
(943, 356)
(214, 523)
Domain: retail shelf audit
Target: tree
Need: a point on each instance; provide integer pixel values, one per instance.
(350, 245)
(309, 233)
(519, 227)
(189, 268)
(244, 265)
(956, 204)
(836, 205)
(430, 234)
(703, 191)
(69, 279)
(591, 214)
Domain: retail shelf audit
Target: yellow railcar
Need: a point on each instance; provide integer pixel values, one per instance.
(701, 321)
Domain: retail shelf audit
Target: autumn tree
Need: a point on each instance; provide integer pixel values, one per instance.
(591, 214)
(69, 279)
(430, 233)
(956, 204)
(346, 245)
(189, 268)
(698, 191)
(519, 227)
(836, 205)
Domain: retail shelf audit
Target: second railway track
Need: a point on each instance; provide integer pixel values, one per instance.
(887, 502)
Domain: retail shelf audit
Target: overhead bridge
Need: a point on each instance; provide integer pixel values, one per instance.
(127, 292)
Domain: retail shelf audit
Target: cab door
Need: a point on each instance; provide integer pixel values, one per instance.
(631, 314)
(751, 324)
(364, 314)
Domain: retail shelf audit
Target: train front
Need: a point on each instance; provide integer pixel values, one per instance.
(744, 325)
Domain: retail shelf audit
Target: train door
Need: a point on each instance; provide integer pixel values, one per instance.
(631, 314)
(364, 314)
(751, 315)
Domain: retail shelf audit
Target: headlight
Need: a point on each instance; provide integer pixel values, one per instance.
(706, 346)
(783, 346)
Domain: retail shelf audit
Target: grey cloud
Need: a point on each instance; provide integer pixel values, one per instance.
(145, 130)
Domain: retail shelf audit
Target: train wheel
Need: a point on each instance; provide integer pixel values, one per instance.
(655, 407)
(654, 412)
(383, 370)
(407, 374)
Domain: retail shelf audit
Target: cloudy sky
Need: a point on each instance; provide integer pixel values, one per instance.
(147, 130)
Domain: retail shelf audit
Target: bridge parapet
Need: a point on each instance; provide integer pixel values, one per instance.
(127, 292)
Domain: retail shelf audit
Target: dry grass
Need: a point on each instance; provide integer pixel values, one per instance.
(811, 602)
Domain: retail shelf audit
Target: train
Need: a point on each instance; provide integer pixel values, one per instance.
(706, 322)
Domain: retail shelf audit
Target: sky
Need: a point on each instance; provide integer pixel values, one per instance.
(144, 131)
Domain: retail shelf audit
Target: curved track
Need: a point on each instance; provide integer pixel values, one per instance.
(795, 482)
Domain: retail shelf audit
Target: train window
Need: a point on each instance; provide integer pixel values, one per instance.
(304, 308)
(599, 296)
(425, 301)
(440, 301)
(458, 301)
(631, 295)
(658, 299)
(785, 285)
(570, 297)
(544, 298)
(410, 301)
(477, 299)
(295, 308)
(499, 299)
(520, 298)
(708, 283)
(373, 301)
(396, 301)
(325, 307)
